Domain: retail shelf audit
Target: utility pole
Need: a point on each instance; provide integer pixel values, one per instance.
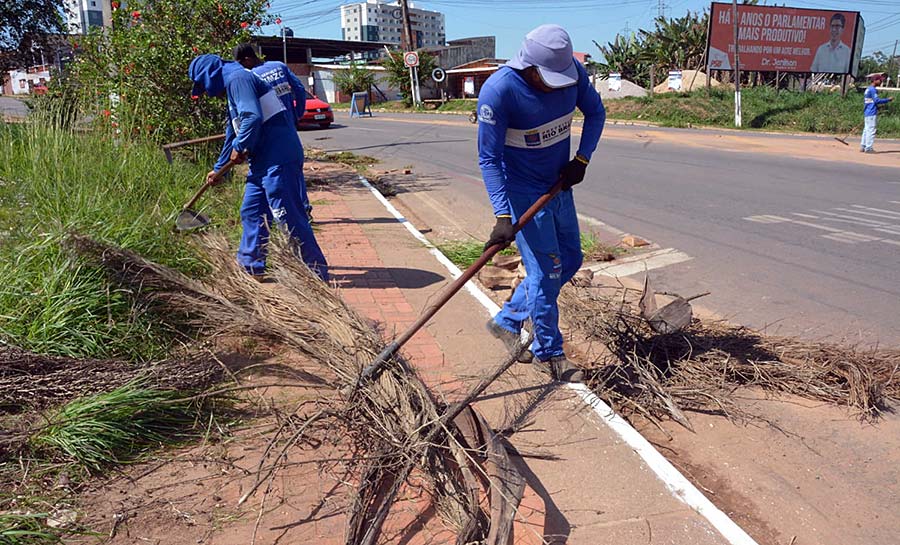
(409, 39)
(737, 67)
(891, 64)
(661, 8)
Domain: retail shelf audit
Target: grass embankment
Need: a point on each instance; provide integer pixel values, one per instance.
(762, 108)
(54, 182)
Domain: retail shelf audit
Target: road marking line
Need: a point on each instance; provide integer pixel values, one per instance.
(851, 219)
(892, 229)
(891, 212)
(807, 216)
(890, 241)
(640, 263)
(767, 219)
(865, 213)
(680, 488)
(850, 237)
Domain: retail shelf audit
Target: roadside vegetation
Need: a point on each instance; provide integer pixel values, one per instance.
(463, 253)
(55, 182)
(763, 108)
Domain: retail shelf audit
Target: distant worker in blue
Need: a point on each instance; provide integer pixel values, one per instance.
(288, 88)
(870, 113)
(525, 112)
(261, 131)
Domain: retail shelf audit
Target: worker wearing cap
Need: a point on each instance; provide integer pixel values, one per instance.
(289, 90)
(260, 131)
(525, 112)
(871, 101)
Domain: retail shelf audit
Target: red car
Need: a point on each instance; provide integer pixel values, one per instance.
(317, 111)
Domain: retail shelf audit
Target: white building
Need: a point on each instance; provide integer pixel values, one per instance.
(380, 21)
(83, 14)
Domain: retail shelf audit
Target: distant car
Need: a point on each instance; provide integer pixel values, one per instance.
(317, 111)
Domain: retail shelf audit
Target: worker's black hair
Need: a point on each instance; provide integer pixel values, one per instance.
(244, 51)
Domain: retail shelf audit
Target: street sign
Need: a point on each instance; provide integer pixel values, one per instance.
(438, 74)
(411, 59)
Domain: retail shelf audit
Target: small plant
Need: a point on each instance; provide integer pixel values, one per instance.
(595, 250)
(465, 252)
(358, 162)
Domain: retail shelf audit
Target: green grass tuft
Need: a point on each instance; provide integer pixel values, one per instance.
(465, 252)
(25, 529)
(117, 427)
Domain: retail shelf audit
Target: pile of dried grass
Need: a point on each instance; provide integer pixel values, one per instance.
(393, 421)
(32, 381)
(699, 368)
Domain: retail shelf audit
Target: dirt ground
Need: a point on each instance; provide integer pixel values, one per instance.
(192, 495)
(810, 474)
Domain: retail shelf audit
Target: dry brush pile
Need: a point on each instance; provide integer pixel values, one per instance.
(659, 376)
(393, 424)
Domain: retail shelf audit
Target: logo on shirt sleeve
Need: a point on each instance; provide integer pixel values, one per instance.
(486, 115)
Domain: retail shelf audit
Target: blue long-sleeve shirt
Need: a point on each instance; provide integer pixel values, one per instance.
(871, 101)
(258, 122)
(288, 88)
(524, 133)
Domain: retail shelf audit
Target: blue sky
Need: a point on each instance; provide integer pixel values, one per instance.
(586, 20)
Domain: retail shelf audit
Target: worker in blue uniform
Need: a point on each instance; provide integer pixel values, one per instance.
(871, 102)
(288, 88)
(525, 112)
(259, 130)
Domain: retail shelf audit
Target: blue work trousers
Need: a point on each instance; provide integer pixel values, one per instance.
(550, 245)
(870, 122)
(276, 197)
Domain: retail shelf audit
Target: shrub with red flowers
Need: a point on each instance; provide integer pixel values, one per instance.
(137, 70)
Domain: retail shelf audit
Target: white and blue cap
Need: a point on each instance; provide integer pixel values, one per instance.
(549, 49)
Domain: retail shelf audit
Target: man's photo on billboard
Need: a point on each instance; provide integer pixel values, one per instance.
(833, 57)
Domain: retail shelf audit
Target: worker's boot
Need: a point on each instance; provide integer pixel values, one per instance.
(510, 339)
(560, 368)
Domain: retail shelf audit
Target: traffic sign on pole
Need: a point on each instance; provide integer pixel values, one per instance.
(411, 59)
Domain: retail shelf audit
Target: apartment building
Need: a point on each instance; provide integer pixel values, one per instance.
(380, 21)
(81, 15)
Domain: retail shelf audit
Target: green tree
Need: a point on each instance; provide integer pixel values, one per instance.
(398, 73)
(25, 29)
(624, 55)
(133, 76)
(355, 79)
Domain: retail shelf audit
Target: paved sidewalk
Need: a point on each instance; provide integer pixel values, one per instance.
(596, 489)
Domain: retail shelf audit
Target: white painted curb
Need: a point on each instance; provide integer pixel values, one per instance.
(674, 481)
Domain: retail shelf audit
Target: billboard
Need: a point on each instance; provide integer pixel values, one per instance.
(785, 39)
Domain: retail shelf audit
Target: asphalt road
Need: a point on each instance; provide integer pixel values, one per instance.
(796, 246)
(12, 107)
